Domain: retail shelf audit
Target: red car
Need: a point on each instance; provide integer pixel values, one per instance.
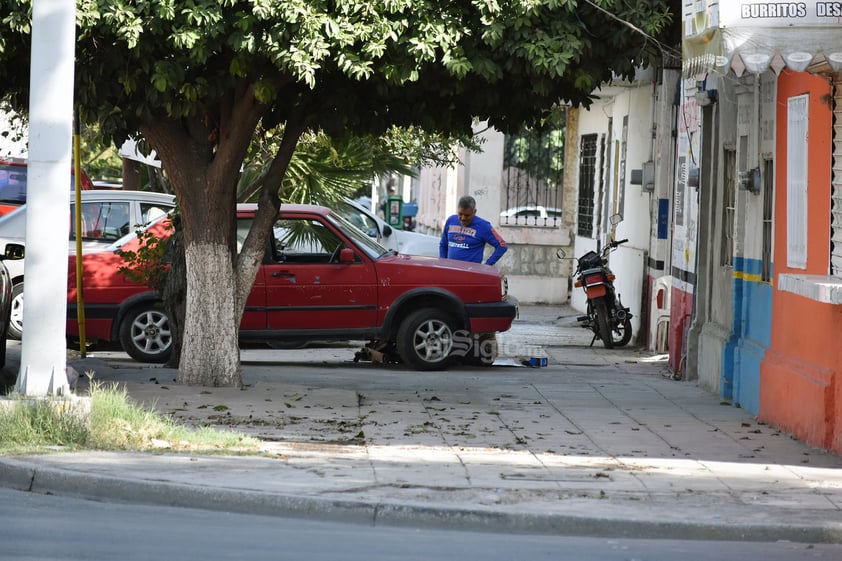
(321, 279)
(13, 173)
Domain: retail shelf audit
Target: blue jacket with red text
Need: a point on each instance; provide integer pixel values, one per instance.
(467, 243)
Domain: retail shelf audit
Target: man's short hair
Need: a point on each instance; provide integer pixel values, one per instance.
(467, 202)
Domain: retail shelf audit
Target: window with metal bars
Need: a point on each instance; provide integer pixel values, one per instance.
(533, 171)
(587, 180)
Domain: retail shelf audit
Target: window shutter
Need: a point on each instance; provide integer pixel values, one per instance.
(836, 187)
(796, 182)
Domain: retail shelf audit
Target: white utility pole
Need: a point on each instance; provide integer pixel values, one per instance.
(44, 351)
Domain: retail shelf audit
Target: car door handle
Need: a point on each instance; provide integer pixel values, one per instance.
(283, 274)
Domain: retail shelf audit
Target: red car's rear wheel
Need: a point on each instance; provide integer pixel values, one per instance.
(145, 333)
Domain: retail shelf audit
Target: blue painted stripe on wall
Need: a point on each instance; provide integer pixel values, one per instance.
(748, 266)
(750, 335)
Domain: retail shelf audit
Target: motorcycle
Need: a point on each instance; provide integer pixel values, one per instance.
(606, 316)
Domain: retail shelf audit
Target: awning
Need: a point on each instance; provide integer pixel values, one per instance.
(720, 36)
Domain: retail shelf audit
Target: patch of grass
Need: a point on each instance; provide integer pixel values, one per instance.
(113, 423)
(29, 425)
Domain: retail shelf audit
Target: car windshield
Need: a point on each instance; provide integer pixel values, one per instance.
(357, 218)
(366, 243)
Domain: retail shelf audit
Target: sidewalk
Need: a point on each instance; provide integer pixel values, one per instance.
(599, 443)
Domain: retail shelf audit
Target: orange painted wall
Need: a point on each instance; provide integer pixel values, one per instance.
(800, 373)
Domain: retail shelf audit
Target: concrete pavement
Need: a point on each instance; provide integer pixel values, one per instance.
(599, 443)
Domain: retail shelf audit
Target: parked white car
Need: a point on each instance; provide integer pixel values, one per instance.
(402, 241)
(107, 215)
(530, 215)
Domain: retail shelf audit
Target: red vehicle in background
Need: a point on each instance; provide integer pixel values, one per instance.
(13, 172)
(322, 279)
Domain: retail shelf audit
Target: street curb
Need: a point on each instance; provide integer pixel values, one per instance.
(24, 476)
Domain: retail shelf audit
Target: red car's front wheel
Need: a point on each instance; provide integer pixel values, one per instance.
(425, 339)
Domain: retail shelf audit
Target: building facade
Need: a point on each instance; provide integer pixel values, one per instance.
(617, 158)
(757, 219)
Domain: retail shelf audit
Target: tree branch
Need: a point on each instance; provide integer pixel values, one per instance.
(269, 204)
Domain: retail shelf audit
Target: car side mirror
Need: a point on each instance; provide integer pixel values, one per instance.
(14, 251)
(387, 231)
(346, 255)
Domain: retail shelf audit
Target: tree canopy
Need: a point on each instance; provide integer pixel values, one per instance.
(350, 64)
(196, 78)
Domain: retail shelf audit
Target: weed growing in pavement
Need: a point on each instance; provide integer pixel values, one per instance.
(113, 423)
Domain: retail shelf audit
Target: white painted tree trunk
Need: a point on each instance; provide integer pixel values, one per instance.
(210, 354)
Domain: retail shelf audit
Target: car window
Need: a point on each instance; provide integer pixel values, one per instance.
(105, 221)
(151, 211)
(357, 218)
(304, 241)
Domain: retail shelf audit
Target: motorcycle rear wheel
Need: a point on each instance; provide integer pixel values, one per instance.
(622, 334)
(600, 310)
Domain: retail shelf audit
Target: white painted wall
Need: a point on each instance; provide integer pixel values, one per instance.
(535, 274)
(628, 263)
(533, 271)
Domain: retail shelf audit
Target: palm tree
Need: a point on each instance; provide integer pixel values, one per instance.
(323, 170)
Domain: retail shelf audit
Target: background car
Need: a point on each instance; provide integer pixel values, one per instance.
(402, 241)
(107, 215)
(322, 279)
(531, 215)
(13, 181)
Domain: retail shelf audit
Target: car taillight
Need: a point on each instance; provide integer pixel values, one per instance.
(577, 284)
(593, 279)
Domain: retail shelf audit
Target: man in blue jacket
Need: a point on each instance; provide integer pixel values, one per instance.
(465, 235)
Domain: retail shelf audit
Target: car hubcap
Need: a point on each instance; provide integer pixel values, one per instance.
(151, 332)
(433, 340)
(16, 315)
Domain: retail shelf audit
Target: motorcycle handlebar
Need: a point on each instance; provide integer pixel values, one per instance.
(620, 241)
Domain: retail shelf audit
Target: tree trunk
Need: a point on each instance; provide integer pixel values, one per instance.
(210, 354)
(203, 158)
(174, 292)
(131, 175)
